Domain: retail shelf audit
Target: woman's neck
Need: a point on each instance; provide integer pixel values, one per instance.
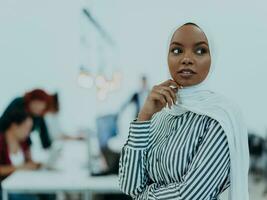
(12, 142)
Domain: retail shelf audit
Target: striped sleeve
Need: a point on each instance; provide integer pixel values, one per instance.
(207, 172)
(132, 173)
(138, 134)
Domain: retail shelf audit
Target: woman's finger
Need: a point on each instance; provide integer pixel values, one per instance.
(172, 92)
(170, 82)
(156, 96)
(166, 95)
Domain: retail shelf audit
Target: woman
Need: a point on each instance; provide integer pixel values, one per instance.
(197, 147)
(14, 150)
(36, 104)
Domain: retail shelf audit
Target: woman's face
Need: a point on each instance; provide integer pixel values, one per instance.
(189, 56)
(23, 130)
(37, 107)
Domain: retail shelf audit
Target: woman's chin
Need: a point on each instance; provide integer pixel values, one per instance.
(185, 83)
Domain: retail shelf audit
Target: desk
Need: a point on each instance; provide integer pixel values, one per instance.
(65, 179)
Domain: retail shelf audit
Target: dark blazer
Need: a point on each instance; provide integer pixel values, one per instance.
(38, 122)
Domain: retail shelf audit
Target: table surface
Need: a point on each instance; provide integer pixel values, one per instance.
(71, 174)
(43, 181)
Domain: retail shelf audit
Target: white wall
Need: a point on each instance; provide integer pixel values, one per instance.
(40, 46)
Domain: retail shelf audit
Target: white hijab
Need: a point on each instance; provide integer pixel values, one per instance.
(201, 100)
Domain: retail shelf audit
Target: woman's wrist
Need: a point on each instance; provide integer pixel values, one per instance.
(144, 116)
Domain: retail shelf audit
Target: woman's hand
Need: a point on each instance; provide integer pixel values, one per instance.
(30, 166)
(160, 96)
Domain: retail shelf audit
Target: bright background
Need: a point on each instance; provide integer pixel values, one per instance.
(40, 46)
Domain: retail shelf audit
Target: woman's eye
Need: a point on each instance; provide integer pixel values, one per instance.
(177, 51)
(201, 51)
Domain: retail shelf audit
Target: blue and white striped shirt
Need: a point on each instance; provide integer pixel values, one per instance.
(182, 157)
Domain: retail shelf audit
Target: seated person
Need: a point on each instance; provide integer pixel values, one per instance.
(14, 150)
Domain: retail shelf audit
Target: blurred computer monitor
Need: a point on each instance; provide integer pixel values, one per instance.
(106, 128)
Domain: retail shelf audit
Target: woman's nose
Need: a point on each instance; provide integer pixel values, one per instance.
(187, 60)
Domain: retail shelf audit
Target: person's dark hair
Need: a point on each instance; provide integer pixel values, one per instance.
(144, 78)
(54, 103)
(191, 23)
(37, 94)
(15, 116)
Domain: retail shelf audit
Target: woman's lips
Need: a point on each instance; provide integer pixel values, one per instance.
(186, 73)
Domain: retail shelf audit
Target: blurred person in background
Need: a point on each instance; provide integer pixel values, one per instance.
(138, 98)
(256, 150)
(14, 149)
(265, 166)
(35, 103)
(108, 126)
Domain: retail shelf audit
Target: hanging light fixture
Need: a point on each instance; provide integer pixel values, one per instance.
(85, 79)
(102, 78)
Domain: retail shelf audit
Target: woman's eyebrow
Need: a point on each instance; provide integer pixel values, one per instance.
(201, 42)
(196, 44)
(176, 43)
